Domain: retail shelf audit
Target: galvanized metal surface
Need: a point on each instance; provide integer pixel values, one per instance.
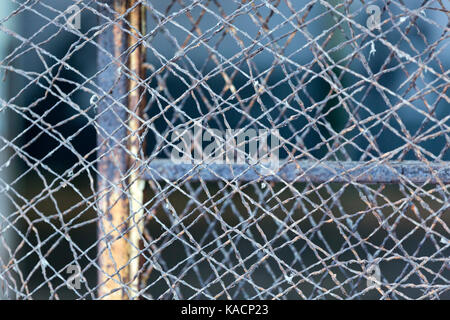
(304, 171)
(113, 158)
(136, 145)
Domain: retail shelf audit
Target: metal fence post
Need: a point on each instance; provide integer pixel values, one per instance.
(136, 104)
(121, 222)
(113, 204)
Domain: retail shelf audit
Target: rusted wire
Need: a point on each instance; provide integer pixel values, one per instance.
(355, 205)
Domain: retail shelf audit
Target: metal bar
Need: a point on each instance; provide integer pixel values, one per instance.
(113, 204)
(136, 103)
(305, 171)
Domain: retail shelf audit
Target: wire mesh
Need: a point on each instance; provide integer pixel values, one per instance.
(126, 160)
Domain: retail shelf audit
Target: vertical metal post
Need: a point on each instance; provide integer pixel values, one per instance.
(119, 132)
(136, 103)
(112, 155)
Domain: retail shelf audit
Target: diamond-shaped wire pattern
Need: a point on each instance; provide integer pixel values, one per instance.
(93, 204)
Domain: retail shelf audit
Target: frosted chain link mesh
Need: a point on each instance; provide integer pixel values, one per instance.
(357, 208)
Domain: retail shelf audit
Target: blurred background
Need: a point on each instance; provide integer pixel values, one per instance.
(42, 104)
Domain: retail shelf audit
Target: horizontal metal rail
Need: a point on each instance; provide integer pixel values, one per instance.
(304, 171)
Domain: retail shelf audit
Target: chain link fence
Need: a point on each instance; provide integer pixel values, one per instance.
(210, 149)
